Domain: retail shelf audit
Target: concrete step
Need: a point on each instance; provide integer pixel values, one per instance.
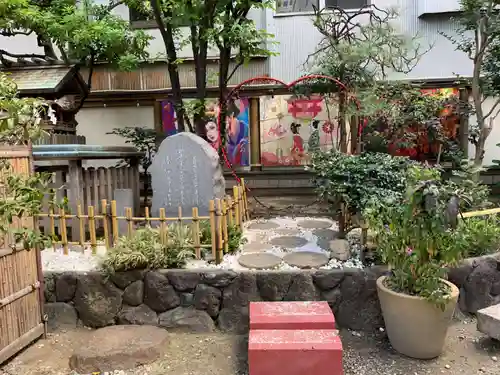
(301, 352)
(291, 315)
(488, 321)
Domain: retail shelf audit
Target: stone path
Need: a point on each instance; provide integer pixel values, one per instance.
(283, 242)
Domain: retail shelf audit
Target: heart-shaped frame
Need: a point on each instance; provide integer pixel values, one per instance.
(264, 79)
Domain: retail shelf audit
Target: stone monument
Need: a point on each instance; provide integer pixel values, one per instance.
(185, 173)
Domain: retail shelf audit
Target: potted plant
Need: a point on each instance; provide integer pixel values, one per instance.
(415, 239)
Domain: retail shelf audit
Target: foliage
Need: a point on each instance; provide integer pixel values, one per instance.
(477, 236)
(83, 32)
(402, 119)
(22, 195)
(415, 238)
(477, 35)
(360, 179)
(19, 117)
(143, 139)
(146, 250)
(221, 24)
(234, 234)
(420, 236)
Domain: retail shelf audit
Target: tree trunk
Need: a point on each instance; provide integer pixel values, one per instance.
(342, 121)
(166, 32)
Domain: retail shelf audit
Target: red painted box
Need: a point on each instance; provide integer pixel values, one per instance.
(295, 352)
(291, 315)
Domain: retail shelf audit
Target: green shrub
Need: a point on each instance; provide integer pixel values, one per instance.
(360, 179)
(145, 250)
(477, 236)
(234, 234)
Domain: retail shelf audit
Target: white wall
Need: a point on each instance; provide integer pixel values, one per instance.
(492, 152)
(156, 49)
(94, 123)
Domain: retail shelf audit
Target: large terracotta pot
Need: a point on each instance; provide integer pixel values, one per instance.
(415, 327)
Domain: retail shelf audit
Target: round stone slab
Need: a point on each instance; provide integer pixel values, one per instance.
(265, 225)
(314, 224)
(259, 261)
(325, 233)
(119, 348)
(287, 232)
(255, 247)
(306, 259)
(288, 241)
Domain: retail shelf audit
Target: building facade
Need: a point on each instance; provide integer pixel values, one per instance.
(121, 99)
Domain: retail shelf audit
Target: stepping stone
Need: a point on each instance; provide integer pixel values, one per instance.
(314, 224)
(265, 225)
(259, 261)
(325, 233)
(288, 241)
(119, 348)
(291, 315)
(287, 232)
(488, 321)
(306, 259)
(256, 247)
(301, 351)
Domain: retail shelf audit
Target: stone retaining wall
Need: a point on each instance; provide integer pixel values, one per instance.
(208, 299)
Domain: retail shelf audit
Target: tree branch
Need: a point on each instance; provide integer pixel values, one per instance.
(21, 55)
(488, 114)
(14, 33)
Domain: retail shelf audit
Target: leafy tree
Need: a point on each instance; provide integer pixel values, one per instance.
(479, 37)
(81, 32)
(22, 195)
(219, 23)
(359, 48)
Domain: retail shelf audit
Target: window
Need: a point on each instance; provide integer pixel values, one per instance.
(346, 4)
(296, 6)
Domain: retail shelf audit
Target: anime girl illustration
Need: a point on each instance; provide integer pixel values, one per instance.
(212, 134)
(297, 150)
(237, 133)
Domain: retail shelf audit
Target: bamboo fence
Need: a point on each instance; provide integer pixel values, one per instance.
(96, 185)
(223, 214)
(21, 279)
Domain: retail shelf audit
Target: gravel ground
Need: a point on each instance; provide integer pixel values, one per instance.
(84, 260)
(468, 352)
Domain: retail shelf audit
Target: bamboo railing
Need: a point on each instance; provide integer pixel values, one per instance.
(223, 213)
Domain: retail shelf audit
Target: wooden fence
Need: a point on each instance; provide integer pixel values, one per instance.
(21, 278)
(223, 214)
(60, 139)
(94, 186)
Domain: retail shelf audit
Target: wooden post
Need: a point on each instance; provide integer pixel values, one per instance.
(211, 209)
(92, 229)
(220, 246)
(75, 180)
(255, 154)
(237, 215)
(196, 233)
(105, 223)
(246, 215)
(224, 226)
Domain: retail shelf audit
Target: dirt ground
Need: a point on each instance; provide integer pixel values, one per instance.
(467, 353)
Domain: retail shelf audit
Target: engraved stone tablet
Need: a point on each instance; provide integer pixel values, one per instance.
(185, 173)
